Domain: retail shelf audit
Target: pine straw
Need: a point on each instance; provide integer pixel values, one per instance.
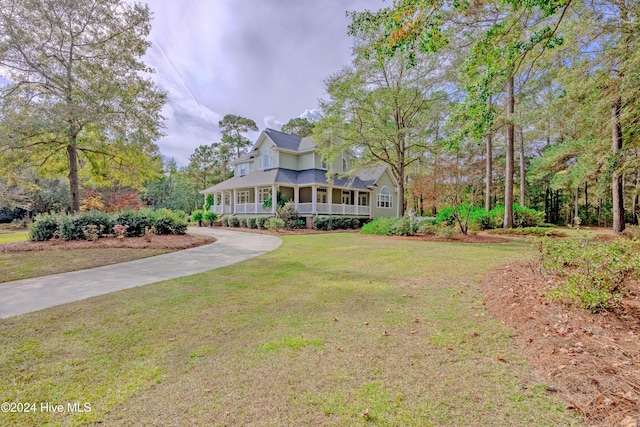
(591, 360)
(157, 242)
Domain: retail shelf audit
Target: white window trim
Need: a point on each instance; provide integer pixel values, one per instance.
(264, 194)
(384, 199)
(243, 197)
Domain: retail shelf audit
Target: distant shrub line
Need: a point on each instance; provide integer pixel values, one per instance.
(96, 224)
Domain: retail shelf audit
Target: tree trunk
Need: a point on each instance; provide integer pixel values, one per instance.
(508, 179)
(522, 171)
(586, 203)
(616, 178)
(74, 184)
(635, 198)
(487, 199)
(489, 167)
(576, 207)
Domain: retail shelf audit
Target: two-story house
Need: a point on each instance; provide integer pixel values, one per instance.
(288, 165)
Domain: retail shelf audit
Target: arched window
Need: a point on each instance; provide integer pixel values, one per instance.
(385, 199)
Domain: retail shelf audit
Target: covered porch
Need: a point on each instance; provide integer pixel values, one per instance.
(308, 200)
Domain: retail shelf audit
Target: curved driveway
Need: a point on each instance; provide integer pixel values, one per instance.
(24, 296)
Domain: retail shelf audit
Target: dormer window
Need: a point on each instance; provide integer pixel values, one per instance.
(344, 165)
(266, 160)
(323, 164)
(243, 169)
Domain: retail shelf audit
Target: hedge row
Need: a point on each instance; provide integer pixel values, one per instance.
(390, 227)
(335, 222)
(72, 227)
(480, 219)
(246, 221)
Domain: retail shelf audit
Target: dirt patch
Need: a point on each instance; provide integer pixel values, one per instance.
(157, 242)
(591, 360)
(476, 238)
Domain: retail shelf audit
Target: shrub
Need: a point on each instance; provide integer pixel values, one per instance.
(72, 227)
(632, 232)
(44, 227)
(402, 227)
(446, 232)
(91, 232)
(225, 221)
(197, 216)
(136, 220)
(234, 221)
(530, 231)
(428, 228)
(526, 217)
(594, 272)
(335, 222)
(165, 221)
(120, 231)
(251, 222)
(210, 217)
(289, 215)
(380, 226)
(274, 224)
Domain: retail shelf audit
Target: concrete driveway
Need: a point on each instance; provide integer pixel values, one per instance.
(24, 296)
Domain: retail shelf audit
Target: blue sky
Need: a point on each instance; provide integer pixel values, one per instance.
(262, 59)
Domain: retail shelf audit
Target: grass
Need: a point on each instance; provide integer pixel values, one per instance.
(18, 236)
(23, 265)
(333, 329)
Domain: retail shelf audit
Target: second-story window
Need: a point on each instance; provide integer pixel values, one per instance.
(243, 169)
(344, 164)
(266, 161)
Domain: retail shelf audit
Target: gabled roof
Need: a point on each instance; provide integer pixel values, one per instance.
(287, 141)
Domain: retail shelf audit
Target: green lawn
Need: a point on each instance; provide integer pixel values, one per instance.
(334, 329)
(18, 236)
(24, 265)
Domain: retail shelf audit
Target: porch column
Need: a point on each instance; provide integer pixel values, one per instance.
(296, 196)
(356, 201)
(314, 196)
(234, 200)
(330, 199)
(255, 198)
(274, 198)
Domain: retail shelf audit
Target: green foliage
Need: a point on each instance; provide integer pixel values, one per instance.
(87, 225)
(251, 222)
(72, 227)
(389, 227)
(44, 227)
(225, 221)
(290, 216)
(530, 231)
(429, 228)
(210, 217)
(594, 271)
(232, 128)
(281, 201)
(335, 222)
(98, 111)
(446, 232)
(136, 220)
(480, 219)
(197, 215)
(300, 126)
(165, 221)
(261, 221)
(242, 221)
(234, 221)
(274, 224)
(207, 202)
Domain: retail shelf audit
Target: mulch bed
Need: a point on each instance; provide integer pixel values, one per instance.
(157, 242)
(591, 360)
(475, 238)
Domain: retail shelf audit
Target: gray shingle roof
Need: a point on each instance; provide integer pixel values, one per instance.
(284, 140)
(289, 177)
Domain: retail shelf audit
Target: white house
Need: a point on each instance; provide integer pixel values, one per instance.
(288, 164)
